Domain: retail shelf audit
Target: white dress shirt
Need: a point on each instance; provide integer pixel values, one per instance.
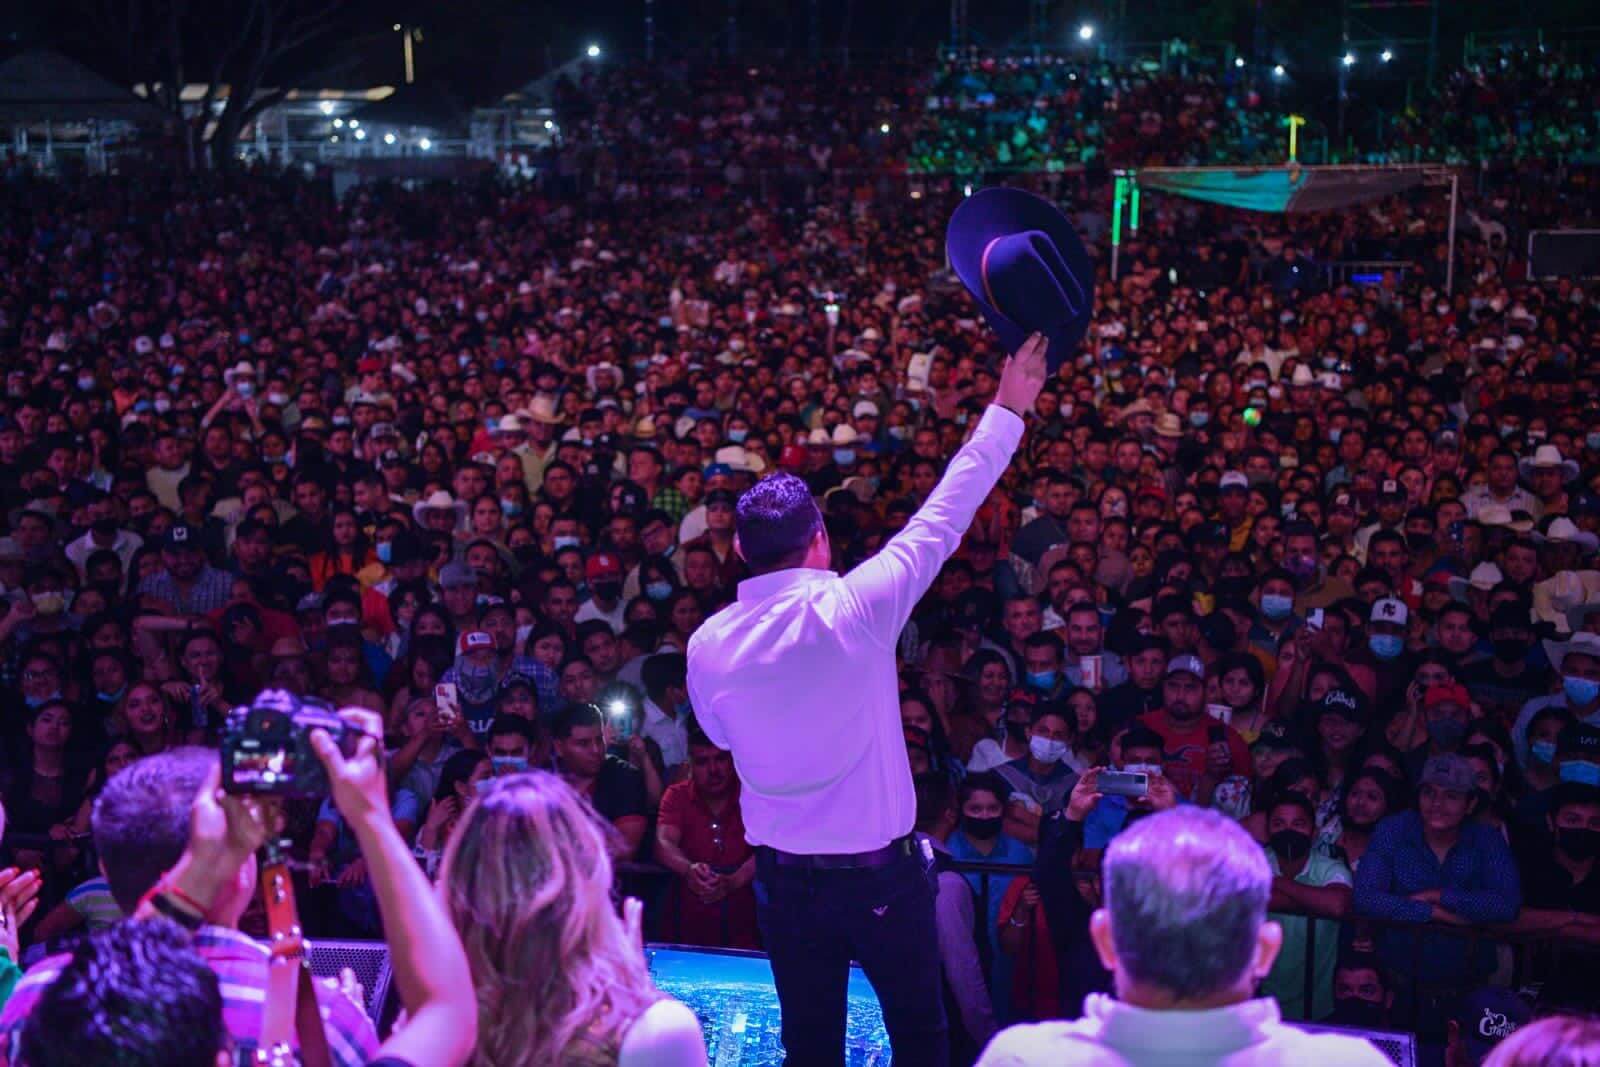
(1113, 1034)
(797, 676)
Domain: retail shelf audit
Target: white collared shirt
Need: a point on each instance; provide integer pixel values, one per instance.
(1113, 1034)
(797, 677)
(669, 733)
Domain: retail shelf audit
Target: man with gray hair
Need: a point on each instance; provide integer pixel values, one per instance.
(1185, 933)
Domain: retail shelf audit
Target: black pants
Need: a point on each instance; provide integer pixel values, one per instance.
(815, 922)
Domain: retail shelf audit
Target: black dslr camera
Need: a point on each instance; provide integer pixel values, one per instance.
(266, 747)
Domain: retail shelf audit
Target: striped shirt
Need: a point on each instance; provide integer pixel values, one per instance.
(210, 591)
(241, 967)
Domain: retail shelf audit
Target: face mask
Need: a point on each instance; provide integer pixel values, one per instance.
(1579, 690)
(1042, 679)
(1543, 752)
(1334, 433)
(899, 433)
(245, 389)
(278, 399)
(738, 435)
(844, 456)
(39, 702)
(1385, 646)
(1581, 771)
(1290, 845)
(110, 698)
(982, 829)
(1509, 649)
(1046, 750)
(1300, 566)
(162, 405)
(1358, 328)
(1198, 419)
(565, 541)
(49, 603)
(104, 527)
(1276, 606)
(1357, 1013)
(510, 508)
(385, 552)
(1447, 733)
(86, 383)
(1579, 842)
(658, 590)
(504, 765)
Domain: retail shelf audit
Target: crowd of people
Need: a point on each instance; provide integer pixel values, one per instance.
(1319, 557)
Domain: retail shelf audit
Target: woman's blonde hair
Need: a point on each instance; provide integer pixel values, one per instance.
(526, 878)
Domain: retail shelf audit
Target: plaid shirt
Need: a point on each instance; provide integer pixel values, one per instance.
(241, 966)
(209, 593)
(672, 501)
(546, 684)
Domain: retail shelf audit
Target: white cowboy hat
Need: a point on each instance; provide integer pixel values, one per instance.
(1484, 577)
(438, 500)
(1547, 456)
(1563, 531)
(543, 409)
(1583, 642)
(740, 460)
(240, 368)
(1500, 515)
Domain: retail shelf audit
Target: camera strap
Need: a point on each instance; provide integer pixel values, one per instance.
(291, 1008)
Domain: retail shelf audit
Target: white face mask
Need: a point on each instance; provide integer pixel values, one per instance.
(1047, 750)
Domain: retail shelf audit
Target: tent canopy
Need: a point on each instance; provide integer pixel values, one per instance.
(40, 85)
(1283, 189)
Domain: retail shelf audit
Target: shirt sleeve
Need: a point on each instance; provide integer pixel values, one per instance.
(672, 807)
(1498, 899)
(887, 586)
(1374, 889)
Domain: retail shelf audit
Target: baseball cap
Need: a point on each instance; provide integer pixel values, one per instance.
(1447, 693)
(602, 565)
(1234, 480)
(457, 575)
(1450, 772)
(864, 409)
(369, 365)
(1350, 705)
(180, 537)
(1390, 488)
(1388, 609)
(1487, 1016)
(381, 429)
(721, 496)
(1190, 664)
(404, 547)
(1275, 736)
(1342, 502)
(1579, 739)
(474, 641)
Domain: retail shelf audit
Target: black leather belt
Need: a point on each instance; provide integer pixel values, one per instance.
(897, 849)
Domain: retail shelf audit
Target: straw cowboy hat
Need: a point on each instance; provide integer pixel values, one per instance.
(1545, 457)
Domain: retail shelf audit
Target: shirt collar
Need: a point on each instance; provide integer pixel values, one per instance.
(1205, 1035)
(764, 586)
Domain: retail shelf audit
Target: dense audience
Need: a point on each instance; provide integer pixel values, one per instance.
(1316, 555)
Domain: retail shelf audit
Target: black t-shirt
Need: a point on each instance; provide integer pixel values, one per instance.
(619, 790)
(1121, 704)
(1494, 693)
(1547, 884)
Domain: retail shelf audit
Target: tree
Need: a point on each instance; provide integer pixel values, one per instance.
(244, 52)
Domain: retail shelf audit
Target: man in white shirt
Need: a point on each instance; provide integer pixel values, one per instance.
(797, 679)
(1185, 932)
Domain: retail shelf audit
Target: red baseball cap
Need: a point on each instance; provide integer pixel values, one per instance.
(369, 365)
(1447, 693)
(793, 457)
(602, 565)
(474, 641)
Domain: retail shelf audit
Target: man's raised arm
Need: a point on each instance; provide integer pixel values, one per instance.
(888, 586)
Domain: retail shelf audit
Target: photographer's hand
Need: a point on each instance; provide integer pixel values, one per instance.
(224, 832)
(360, 791)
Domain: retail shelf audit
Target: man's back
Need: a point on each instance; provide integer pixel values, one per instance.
(1112, 1034)
(797, 676)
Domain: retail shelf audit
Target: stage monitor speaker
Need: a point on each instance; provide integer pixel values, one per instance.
(1400, 1047)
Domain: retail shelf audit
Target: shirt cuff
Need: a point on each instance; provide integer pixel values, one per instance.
(1004, 423)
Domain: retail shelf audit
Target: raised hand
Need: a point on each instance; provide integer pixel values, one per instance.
(1023, 376)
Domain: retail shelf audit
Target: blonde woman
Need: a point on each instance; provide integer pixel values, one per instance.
(526, 879)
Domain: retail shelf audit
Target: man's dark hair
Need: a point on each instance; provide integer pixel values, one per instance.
(573, 716)
(933, 797)
(776, 522)
(513, 724)
(1044, 639)
(662, 670)
(698, 738)
(141, 819)
(983, 782)
(135, 994)
(589, 627)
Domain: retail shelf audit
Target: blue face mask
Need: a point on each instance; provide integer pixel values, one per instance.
(510, 508)
(565, 541)
(1581, 771)
(1358, 328)
(844, 456)
(1198, 419)
(1042, 679)
(658, 590)
(738, 435)
(110, 698)
(1334, 433)
(1385, 646)
(683, 710)
(504, 765)
(1543, 752)
(1276, 606)
(1579, 691)
(385, 552)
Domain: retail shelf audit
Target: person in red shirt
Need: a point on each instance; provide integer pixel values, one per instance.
(700, 838)
(1198, 752)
